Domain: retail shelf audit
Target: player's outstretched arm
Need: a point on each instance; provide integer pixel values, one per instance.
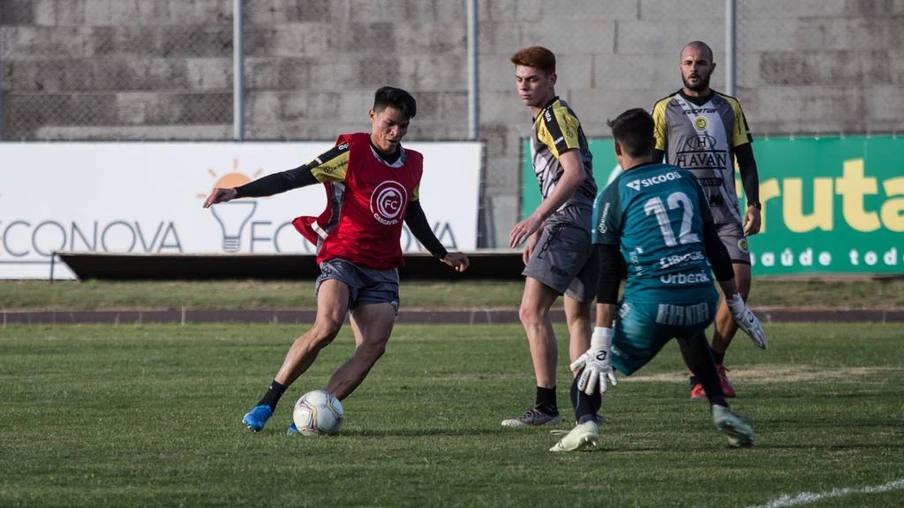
(219, 195)
(276, 183)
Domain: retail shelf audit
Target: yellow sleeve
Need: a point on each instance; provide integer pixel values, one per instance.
(740, 132)
(660, 128)
(332, 165)
(558, 130)
(416, 195)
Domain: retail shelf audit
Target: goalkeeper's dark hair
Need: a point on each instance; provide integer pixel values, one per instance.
(397, 98)
(633, 130)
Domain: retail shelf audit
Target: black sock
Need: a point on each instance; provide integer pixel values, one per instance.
(693, 380)
(698, 358)
(585, 406)
(546, 400)
(271, 398)
(718, 357)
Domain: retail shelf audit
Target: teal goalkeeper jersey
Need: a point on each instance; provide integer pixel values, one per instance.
(655, 214)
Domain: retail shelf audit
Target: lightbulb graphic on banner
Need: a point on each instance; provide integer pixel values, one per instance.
(232, 217)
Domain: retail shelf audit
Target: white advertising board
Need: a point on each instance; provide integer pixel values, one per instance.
(146, 198)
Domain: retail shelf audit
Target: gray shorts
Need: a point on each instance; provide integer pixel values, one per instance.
(563, 260)
(365, 285)
(733, 238)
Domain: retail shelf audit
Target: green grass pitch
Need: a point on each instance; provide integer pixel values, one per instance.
(150, 416)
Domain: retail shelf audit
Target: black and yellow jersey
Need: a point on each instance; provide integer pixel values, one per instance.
(700, 135)
(555, 131)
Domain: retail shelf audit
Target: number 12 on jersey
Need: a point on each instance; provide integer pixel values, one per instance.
(675, 200)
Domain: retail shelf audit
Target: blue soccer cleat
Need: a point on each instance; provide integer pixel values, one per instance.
(257, 418)
(292, 430)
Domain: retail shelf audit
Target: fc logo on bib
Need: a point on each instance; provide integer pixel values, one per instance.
(387, 202)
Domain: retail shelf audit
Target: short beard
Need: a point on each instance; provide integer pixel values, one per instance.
(703, 84)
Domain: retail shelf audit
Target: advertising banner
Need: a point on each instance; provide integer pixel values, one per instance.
(146, 198)
(830, 204)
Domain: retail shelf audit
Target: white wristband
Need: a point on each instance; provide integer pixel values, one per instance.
(735, 303)
(601, 338)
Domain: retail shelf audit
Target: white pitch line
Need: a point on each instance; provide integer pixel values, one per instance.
(812, 497)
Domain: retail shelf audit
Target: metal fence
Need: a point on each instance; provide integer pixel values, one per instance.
(165, 69)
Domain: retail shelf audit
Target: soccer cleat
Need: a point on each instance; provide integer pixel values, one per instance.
(728, 422)
(727, 388)
(584, 436)
(292, 430)
(257, 418)
(599, 419)
(697, 392)
(533, 417)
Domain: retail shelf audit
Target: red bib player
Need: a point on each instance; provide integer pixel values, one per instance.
(372, 187)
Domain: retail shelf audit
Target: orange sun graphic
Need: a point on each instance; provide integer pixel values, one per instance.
(233, 179)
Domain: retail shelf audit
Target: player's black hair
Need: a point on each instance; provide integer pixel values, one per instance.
(633, 130)
(397, 98)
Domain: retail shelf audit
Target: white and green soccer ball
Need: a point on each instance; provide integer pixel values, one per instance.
(318, 413)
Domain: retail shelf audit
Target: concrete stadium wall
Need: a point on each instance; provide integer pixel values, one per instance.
(162, 69)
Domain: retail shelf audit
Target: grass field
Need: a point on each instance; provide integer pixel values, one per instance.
(149, 416)
(71, 295)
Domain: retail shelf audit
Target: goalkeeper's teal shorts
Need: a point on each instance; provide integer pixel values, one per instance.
(642, 329)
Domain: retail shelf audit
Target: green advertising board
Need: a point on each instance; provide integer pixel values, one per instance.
(830, 204)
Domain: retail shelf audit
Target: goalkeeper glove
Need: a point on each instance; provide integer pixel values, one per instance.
(596, 363)
(746, 320)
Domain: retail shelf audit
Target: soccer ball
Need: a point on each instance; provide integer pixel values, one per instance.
(318, 413)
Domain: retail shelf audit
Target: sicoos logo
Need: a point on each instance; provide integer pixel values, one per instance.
(701, 142)
(654, 180)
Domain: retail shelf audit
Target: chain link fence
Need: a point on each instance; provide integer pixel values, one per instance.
(164, 69)
(821, 66)
(150, 69)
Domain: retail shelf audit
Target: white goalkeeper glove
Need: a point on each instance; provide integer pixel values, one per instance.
(746, 320)
(596, 363)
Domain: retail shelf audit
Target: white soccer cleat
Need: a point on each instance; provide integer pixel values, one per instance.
(738, 432)
(584, 436)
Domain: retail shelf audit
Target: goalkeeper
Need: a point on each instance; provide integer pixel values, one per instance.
(653, 226)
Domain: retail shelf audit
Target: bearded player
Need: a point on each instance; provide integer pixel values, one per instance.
(705, 132)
